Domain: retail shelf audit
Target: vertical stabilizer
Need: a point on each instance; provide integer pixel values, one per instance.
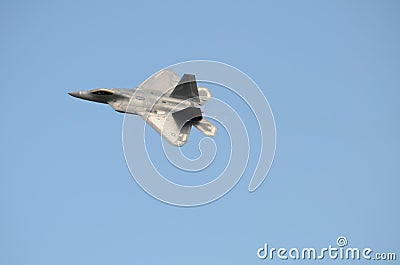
(186, 88)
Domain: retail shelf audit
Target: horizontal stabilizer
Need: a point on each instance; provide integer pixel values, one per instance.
(186, 88)
(205, 127)
(204, 95)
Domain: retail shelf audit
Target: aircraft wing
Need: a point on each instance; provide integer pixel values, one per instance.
(174, 126)
(161, 83)
(174, 132)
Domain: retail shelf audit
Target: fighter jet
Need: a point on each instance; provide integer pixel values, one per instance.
(171, 106)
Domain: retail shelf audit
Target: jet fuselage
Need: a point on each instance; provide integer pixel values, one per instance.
(135, 102)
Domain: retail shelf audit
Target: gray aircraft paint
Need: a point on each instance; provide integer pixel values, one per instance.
(158, 101)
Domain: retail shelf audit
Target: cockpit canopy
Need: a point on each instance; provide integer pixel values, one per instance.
(102, 92)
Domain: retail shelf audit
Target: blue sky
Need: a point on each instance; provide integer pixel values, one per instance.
(329, 69)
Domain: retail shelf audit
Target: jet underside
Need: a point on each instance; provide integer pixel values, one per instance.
(169, 105)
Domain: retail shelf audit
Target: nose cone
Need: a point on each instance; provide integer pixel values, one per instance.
(90, 95)
(81, 94)
(77, 94)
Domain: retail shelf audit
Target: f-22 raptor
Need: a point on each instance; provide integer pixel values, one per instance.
(171, 106)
